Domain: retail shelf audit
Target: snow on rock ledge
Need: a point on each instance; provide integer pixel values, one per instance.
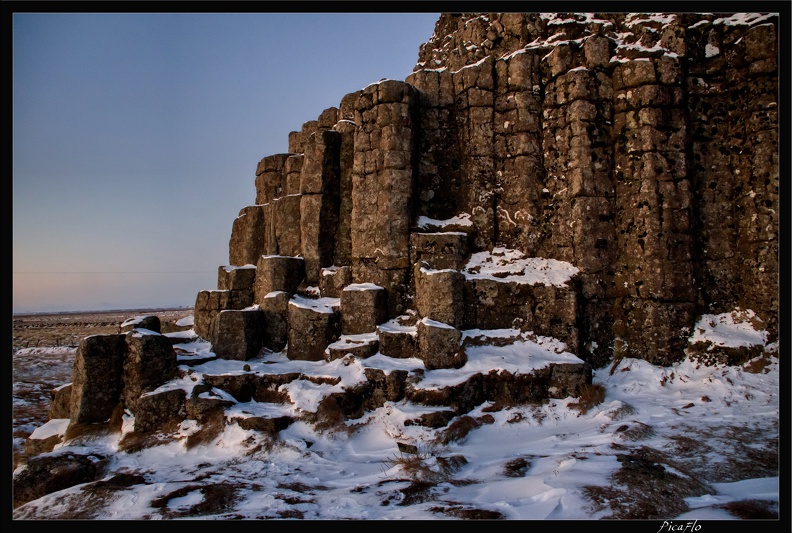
(503, 264)
(727, 338)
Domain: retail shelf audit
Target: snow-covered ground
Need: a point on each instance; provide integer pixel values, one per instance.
(704, 437)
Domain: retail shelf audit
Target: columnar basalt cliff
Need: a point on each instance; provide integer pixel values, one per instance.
(641, 149)
(544, 195)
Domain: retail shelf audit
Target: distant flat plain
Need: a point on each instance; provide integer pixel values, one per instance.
(44, 346)
(68, 328)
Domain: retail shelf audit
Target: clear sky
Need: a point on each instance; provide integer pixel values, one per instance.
(136, 138)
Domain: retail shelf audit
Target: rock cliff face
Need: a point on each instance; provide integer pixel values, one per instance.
(584, 187)
(637, 151)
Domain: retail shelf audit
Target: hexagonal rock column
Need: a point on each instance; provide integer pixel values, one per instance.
(209, 303)
(439, 294)
(236, 278)
(363, 306)
(205, 404)
(275, 307)
(149, 362)
(149, 322)
(238, 334)
(439, 345)
(475, 114)
(362, 346)
(342, 254)
(318, 225)
(544, 309)
(320, 167)
(441, 250)
(313, 325)
(269, 178)
(654, 284)
(517, 125)
(292, 169)
(437, 179)
(396, 340)
(736, 233)
(276, 273)
(157, 410)
(285, 237)
(382, 187)
(96, 381)
(333, 280)
(320, 189)
(248, 235)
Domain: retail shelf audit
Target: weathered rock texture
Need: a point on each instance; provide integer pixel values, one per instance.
(112, 371)
(96, 383)
(603, 179)
(640, 148)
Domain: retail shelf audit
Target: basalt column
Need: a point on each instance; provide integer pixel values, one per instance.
(654, 269)
(474, 87)
(733, 102)
(248, 235)
(270, 185)
(382, 188)
(438, 181)
(578, 193)
(269, 178)
(342, 255)
(519, 169)
(320, 188)
(254, 230)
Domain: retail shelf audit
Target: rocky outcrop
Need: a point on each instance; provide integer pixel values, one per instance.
(639, 148)
(50, 473)
(97, 378)
(642, 148)
(598, 186)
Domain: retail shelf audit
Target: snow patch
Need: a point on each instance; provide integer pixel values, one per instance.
(231, 268)
(53, 427)
(507, 265)
(363, 287)
(186, 321)
(733, 329)
(321, 305)
(459, 220)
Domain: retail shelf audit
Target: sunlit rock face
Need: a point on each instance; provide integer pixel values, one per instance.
(639, 149)
(544, 194)
(642, 148)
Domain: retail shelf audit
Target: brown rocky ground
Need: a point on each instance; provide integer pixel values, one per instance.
(67, 329)
(43, 354)
(45, 345)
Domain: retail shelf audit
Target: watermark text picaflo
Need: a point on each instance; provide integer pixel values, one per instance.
(679, 527)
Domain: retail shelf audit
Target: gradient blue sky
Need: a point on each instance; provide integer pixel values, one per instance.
(136, 138)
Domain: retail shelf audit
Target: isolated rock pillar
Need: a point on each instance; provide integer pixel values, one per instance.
(97, 382)
(150, 361)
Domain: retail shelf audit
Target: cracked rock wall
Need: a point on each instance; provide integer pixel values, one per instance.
(641, 148)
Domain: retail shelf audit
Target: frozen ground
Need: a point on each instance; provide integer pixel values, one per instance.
(676, 443)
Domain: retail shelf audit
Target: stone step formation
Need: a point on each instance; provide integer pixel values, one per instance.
(640, 148)
(600, 180)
